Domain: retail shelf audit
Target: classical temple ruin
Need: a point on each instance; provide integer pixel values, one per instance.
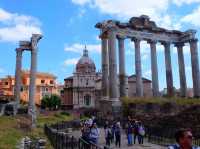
(32, 47)
(138, 29)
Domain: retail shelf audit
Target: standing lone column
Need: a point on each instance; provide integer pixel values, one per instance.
(18, 76)
(32, 110)
(104, 61)
(113, 86)
(138, 69)
(154, 69)
(169, 76)
(122, 72)
(183, 84)
(195, 67)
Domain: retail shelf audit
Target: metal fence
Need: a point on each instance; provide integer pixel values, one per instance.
(63, 140)
(59, 139)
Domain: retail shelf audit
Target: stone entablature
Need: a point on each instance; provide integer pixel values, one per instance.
(143, 28)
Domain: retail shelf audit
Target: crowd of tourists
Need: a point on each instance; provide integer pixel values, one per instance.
(113, 131)
(135, 132)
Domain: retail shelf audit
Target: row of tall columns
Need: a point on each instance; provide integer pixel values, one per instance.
(109, 68)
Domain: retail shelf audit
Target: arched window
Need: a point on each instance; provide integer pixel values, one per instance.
(87, 100)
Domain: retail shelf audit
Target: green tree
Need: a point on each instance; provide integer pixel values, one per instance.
(51, 102)
(44, 102)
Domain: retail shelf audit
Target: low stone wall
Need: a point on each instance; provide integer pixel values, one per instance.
(154, 109)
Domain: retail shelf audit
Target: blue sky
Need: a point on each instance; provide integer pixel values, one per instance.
(67, 25)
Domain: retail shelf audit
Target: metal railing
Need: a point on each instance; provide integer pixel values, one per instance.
(62, 140)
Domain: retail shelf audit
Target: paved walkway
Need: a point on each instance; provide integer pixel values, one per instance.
(124, 145)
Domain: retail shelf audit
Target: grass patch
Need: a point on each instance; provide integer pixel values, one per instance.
(161, 100)
(10, 134)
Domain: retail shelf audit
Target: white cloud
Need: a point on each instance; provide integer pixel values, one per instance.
(193, 18)
(169, 22)
(181, 2)
(15, 27)
(147, 74)
(78, 48)
(125, 9)
(4, 16)
(81, 2)
(129, 8)
(71, 61)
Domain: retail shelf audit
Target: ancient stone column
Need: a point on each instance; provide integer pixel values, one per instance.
(32, 88)
(195, 67)
(183, 85)
(104, 60)
(123, 82)
(138, 68)
(113, 86)
(169, 76)
(17, 88)
(154, 69)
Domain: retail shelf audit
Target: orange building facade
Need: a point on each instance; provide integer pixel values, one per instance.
(45, 85)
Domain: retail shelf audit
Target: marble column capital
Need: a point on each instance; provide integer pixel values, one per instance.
(34, 40)
(193, 40)
(136, 40)
(19, 50)
(104, 35)
(179, 44)
(166, 44)
(120, 37)
(152, 41)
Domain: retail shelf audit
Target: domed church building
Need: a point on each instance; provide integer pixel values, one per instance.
(83, 88)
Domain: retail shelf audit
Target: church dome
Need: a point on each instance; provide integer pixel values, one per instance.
(85, 64)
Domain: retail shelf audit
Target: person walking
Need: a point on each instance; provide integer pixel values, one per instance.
(108, 135)
(94, 134)
(135, 131)
(141, 132)
(129, 132)
(118, 135)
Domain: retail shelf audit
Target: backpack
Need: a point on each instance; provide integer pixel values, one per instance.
(141, 130)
